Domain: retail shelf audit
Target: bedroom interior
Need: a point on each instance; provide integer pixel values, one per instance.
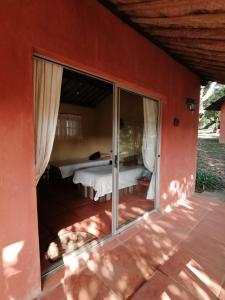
(75, 189)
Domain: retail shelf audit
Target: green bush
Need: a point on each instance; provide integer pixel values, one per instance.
(206, 181)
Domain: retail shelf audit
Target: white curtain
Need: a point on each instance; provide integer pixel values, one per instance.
(149, 143)
(47, 89)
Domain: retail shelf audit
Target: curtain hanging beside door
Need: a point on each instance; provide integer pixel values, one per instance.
(149, 144)
(47, 80)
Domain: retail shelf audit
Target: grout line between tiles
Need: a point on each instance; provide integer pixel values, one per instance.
(141, 285)
(103, 281)
(176, 247)
(185, 288)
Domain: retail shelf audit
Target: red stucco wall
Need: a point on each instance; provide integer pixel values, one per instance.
(87, 36)
(222, 124)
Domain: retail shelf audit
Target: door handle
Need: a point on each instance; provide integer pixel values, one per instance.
(115, 161)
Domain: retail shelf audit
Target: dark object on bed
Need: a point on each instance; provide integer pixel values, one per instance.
(130, 160)
(94, 156)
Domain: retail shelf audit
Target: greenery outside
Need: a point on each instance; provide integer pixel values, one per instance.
(209, 94)
(210, 165)
(211, 154)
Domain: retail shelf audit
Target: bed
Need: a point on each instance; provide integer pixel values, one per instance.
(68, 167)
(100, 178)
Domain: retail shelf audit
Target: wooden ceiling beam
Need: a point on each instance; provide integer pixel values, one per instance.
(167, 8)
(184, 49)
(200, 60)
(210, 34)
(98, 97)
(207, 71)
(199, 54)
(206, 66)
(89, 91)
(191, 41)
(196, 45)
(207, 21)
(214, 76)
(119, 2)
(203, 57)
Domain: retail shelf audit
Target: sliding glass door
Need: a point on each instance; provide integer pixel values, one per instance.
(91, 187)
(136, 144)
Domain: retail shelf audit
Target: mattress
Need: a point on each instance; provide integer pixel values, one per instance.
(100, 178)
(67, 168)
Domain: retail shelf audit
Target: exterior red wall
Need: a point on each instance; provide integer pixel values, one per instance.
(222, 124)
(87, 36)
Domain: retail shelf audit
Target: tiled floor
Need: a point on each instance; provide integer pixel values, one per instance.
(61, 208)
(180, 255)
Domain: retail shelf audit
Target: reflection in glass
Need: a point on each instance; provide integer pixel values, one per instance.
(137, 156)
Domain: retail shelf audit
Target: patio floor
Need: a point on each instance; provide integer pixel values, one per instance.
(180, 255)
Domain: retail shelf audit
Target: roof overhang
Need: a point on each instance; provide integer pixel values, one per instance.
(192, 32)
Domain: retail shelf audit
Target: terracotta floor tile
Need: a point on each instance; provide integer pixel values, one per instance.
(143, 255)
(178, 255)
(190, 213)
(52, 281)
(56, 293)
(211, 228)
(169, 230)
(207, 247)
(222, 292)
(132, 209)
(61, 207)
(149, 251)
(99, 225)
(106, 247)
(103, 222)
(217, 196)
(129, 233)
(194, 273)
(119, 270)
(148, 221)
(161, 287)
(201, 200)
(217, 216)
(162, 237)
(87, 286)
(180, 219)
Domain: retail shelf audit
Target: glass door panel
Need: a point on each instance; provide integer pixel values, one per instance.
(137, 147)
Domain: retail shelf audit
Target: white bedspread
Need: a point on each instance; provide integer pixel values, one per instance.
(67, 168)
(100, 178)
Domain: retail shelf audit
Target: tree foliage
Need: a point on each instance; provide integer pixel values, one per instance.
(210, 118)
(218, 93)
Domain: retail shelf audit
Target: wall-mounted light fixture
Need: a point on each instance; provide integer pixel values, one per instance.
(191, 104)
(176, 122)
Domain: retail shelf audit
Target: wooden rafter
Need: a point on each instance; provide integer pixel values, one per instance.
(167, 8)
(191, 31)
(207, 21)
(202, 57)
(218, 46)
(211, 48)
(203, 33)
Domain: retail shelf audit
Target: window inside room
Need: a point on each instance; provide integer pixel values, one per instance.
(69, 126)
